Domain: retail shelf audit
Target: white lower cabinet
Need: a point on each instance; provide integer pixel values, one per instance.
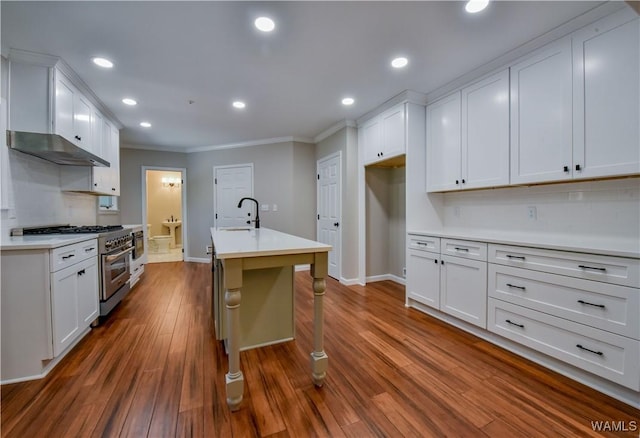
(578, 308)
(463, 289)
(46, 308)
(455, 284)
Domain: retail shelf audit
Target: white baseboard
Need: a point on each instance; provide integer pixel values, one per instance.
(385, 277)
(303, 268)
(350, 281)
(197, 259)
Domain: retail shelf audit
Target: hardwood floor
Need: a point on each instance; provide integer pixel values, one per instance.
(155, 369)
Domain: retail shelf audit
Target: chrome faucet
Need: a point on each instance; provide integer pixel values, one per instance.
(257, 221)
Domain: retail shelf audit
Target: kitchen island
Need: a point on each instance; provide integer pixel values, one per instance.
(240, 250)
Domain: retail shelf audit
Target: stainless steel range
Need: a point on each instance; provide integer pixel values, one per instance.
(114, 245)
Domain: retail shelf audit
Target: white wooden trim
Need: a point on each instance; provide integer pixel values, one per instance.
(244, 144)
(351, 282)
(385, 277)
(197, 260)
(183, 193)
(333, 129)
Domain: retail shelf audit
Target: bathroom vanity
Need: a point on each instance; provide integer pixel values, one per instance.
(253, 295)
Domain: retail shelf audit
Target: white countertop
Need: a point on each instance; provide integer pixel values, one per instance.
(230, 244)
(43, 242)
(586, 244)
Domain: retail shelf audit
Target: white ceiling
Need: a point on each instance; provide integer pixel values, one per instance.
(167, 53)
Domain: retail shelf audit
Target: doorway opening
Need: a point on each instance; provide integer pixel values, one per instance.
(164, 214)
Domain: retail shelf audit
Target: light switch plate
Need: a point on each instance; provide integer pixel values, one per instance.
(264, 207)
(275, 207)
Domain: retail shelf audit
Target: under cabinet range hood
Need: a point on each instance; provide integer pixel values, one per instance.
(54, 148)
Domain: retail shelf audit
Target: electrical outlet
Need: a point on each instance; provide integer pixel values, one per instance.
(275, 207)
(532, 213)
(208, 249)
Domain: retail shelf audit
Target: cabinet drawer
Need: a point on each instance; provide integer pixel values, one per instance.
(465, 248)
(616, 270)
(70, 254)
(424, 243)
(604, 306)
(605, 354)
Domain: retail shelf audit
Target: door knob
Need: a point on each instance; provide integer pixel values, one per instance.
(336, 224)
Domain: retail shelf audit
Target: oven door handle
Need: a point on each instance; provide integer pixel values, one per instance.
(111, 258)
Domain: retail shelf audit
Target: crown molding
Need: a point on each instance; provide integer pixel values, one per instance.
(407, 96)
(250, 143)
(333, 129)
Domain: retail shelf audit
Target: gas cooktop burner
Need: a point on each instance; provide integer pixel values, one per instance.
(66, 229)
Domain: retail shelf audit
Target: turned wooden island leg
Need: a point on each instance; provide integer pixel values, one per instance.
(234, 378)
(319, 359)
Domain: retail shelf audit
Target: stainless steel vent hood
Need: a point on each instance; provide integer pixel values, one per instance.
(54, 148)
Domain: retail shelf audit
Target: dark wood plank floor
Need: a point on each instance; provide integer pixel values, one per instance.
(154, 369)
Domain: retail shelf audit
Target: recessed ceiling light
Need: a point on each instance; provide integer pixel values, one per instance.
(399, 62)
(129, 101)
(238, 104)
(145, 124)
(264, 24)
(348, 101)
(474, 6)
(102, 62)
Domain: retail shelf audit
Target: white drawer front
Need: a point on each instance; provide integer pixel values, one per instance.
(616, 270)
(605, 354)
(424, 243)
(601, 305)
(465, 248)
(70, 254)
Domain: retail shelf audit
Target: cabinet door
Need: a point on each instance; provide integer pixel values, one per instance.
(485, 132)
(114, 175)
(423, 277)
(64, 308)
(541, 115)
(443, 144)
(63, 104)
(606, 58)
(393, 132)
(87, 292)
(97, 137)
(82, 121)
(463, 286)
(371, 138)
(102, 175)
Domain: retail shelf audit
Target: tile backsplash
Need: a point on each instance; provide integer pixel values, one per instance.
(34, 196)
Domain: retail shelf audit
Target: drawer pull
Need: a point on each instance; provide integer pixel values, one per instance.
(516, 287)
(67, 257)
(591, 304)
(509, 256)
(599, 353)
(514, 323)
(462, 249)
(591, 267)
(421, 243)
(81, 272)
(89, 249)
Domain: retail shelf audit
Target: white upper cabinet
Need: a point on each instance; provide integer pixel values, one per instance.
(72, 114)
(384, 136)
(97, 123)
(443, 144)
(393, 132)
(485, 132)
(606, 97)
(371, 138)
(541, 115)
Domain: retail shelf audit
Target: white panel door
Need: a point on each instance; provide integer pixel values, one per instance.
(443, 144)
(82, 122)
(64, 308)
(541, 115)
(329, 209)
(372, 140)
(606, 85)
(423, 277)
(231, 184)
(87, 292)
(485, 132)
(64, 108)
